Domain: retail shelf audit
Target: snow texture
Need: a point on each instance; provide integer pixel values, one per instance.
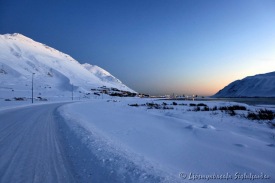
(165, 143)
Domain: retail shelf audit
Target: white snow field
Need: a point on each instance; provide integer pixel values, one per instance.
(138, 144)
(106, 140)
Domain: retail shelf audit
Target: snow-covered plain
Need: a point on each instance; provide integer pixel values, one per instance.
(174, 145)
(106, 140)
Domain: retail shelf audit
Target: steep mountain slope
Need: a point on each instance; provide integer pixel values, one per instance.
(55, 74)
(261, 85)
(102, 74)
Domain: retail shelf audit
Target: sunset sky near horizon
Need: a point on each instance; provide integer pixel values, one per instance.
(155, 46)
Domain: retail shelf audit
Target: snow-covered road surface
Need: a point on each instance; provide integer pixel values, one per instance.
(38, 145)
(30, 147)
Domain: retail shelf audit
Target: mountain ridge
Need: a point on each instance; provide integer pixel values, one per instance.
(260, 85)
(55, 72)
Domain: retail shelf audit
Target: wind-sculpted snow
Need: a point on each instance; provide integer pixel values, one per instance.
(175, 143)
(95, 159)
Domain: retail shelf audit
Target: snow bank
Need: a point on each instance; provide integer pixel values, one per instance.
(170, 143)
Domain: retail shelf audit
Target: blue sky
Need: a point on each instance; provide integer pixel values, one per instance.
(155, 47)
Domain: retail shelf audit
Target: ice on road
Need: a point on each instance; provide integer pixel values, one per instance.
(30, 149)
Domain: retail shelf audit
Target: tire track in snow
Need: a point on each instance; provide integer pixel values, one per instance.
(30, 148)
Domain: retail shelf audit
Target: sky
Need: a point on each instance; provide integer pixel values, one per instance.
(155, 46)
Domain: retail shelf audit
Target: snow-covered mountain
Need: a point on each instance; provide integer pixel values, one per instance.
(55, 73)
(101, 73)
(261, 85)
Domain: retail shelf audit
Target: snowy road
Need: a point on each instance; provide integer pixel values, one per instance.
(30, 148)
(37, 145)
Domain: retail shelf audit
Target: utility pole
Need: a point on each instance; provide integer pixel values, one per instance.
(32, 86)
(72, 92)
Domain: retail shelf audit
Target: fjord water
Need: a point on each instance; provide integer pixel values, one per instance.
(249, 101)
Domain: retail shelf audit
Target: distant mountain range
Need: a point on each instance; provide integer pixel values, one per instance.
(55, 74)
(261, 85)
